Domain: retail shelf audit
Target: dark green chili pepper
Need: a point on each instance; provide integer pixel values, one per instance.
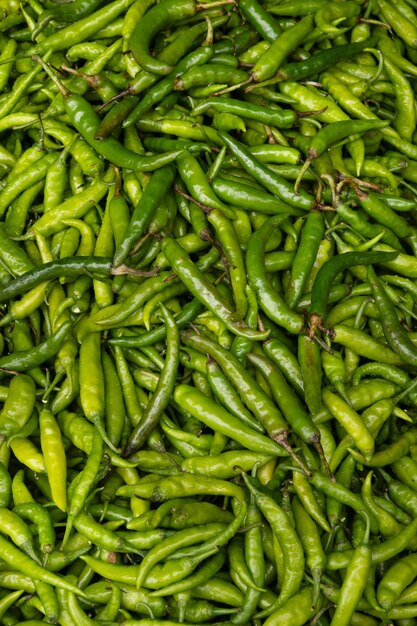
(281, 118)
(226, 236)
(383, 214)
(204, 291)
(266, 25)
(26, 359)
(334, 134)
(284, 358)
(68, 267)
(255, 398)
(253, 554)
(269, 62)
(87, 122)
(297, 417)
(358, 221)
(326, 275)
(340, 493)
(269, 179)
(154, 192)
(311, 236)
(63, 13)
(84, 482)
(165, 86)
(227, 395)
(196, 182)
(156, 19)
(163, 391)
(269, 300)
(310, 538)
(395, 334)
(307, 68)
(188, 314)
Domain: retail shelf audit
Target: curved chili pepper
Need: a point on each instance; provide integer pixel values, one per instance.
(270, 301)
(270, 61)
(163, 391)
(279, 118)
(87, 122)
(155, 19)
(81, 29)
(328, 272)
(272, 181)
(266, 25)
(300, 70)
(63, 13)
(24, 360)
(204, 291)
(396, 336)
(68, 267)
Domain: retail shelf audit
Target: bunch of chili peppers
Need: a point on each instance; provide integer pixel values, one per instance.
(208, 346)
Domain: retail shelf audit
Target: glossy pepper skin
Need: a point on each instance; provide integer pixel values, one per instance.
(208, 305)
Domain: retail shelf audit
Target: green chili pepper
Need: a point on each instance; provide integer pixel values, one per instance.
(203, 290)
(87, 122)
(326, 275)
(289, 543)
(163, 391)
(18, 406)
(144, 210)
(271, 181)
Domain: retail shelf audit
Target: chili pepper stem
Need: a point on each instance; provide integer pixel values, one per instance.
(301, 114)
(315, 323)
(303, 170)
(232, 87)
(282, 440)
(319, 449)
(52, 385)
(123, 269)
(265, 83)
(64, 91)
(187, 196)
(317, 617)
(115, 98)
(7, 319)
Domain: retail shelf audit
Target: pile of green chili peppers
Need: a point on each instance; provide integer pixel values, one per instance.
(208, 298)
